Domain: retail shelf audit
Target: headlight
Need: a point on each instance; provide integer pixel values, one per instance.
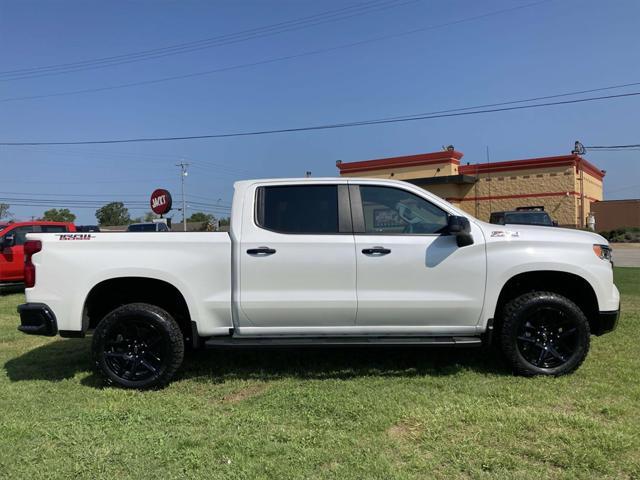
(603, 252)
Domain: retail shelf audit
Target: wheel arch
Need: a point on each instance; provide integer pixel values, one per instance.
(575, 287)
(111, 293)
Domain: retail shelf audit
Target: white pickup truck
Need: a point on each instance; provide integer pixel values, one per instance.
(331, 261)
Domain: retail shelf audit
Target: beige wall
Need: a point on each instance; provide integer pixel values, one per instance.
(409, 173)
(592, 192)
(563, 181)
(516, 183)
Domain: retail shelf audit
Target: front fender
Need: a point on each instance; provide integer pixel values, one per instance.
(506, 260)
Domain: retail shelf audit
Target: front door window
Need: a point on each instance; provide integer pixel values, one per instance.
(391, 211)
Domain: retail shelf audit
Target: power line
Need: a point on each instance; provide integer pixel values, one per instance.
(618, 150)
(276, 59)
(126, 196)
(219, 168)
(85, 182)
(389, 120)
(611, 147)
(221, 40)
(73, 204)
(105, 198)
(531, 99)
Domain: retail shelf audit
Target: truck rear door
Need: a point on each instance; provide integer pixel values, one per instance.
(297, 258)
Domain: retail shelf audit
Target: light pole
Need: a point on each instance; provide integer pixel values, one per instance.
(183, 173)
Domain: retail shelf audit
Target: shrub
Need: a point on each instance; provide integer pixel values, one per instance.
(622, 235)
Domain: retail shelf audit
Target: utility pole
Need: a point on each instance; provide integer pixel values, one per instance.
(489, 178)
(183, 173)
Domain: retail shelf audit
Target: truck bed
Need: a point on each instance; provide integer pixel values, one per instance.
(198, 264)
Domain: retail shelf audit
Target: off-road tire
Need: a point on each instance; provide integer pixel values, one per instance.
(143, 321)
(521, 310)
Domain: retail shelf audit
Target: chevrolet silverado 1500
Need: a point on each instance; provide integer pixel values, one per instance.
(323, 262)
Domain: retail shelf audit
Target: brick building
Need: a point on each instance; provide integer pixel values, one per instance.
(564, 185)
(612, 214)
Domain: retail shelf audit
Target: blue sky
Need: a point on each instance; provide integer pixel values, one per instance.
(552, 47)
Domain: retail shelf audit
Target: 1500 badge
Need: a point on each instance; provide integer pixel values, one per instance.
(76, 236)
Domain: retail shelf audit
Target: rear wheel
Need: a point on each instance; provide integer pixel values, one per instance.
(544, 333)
(138, 346)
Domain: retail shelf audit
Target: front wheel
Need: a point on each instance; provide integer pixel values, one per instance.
(544, 333)
(138, 346)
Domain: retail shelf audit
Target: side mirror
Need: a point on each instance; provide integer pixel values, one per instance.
(9, 240)
(461, 228)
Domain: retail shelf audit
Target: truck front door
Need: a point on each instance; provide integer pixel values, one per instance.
(297, 258)
(410, 272)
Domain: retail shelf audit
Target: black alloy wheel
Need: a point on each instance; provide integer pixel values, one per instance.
(135, 350)
(548, 338)
(544, 333)
(138, 346)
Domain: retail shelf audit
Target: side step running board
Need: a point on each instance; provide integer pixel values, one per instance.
(286, 341)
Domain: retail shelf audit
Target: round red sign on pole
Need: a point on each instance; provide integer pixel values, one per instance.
(160, 201)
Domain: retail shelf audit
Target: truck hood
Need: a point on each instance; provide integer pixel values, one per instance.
(539, 233)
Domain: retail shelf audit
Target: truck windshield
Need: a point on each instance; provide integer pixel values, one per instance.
(528, 218)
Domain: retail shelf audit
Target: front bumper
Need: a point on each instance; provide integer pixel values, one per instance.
(37, 319)
(605, 322)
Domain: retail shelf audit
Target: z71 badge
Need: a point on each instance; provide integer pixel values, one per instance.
(76, 236)
(503, 233)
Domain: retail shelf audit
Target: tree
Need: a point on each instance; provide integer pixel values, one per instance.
(114, 213)
(225, 222)
(150, 217)
(62, 215)
(4, 211)
(200, 217)
(146, 218)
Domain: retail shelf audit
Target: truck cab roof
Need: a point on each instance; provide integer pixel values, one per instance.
(5, 225)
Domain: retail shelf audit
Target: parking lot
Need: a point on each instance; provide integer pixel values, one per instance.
(626, 254)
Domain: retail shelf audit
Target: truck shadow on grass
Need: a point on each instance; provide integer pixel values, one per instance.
(64, 359)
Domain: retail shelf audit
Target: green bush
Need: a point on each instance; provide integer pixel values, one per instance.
(622, 235)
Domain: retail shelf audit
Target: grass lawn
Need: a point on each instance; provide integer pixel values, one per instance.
(383, 413)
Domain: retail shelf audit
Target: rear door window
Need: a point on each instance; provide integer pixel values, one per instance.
(298, 209)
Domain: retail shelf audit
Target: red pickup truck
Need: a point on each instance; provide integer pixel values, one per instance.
(12, 238)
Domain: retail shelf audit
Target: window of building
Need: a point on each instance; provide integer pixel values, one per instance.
(389, 210)
(298, 209)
